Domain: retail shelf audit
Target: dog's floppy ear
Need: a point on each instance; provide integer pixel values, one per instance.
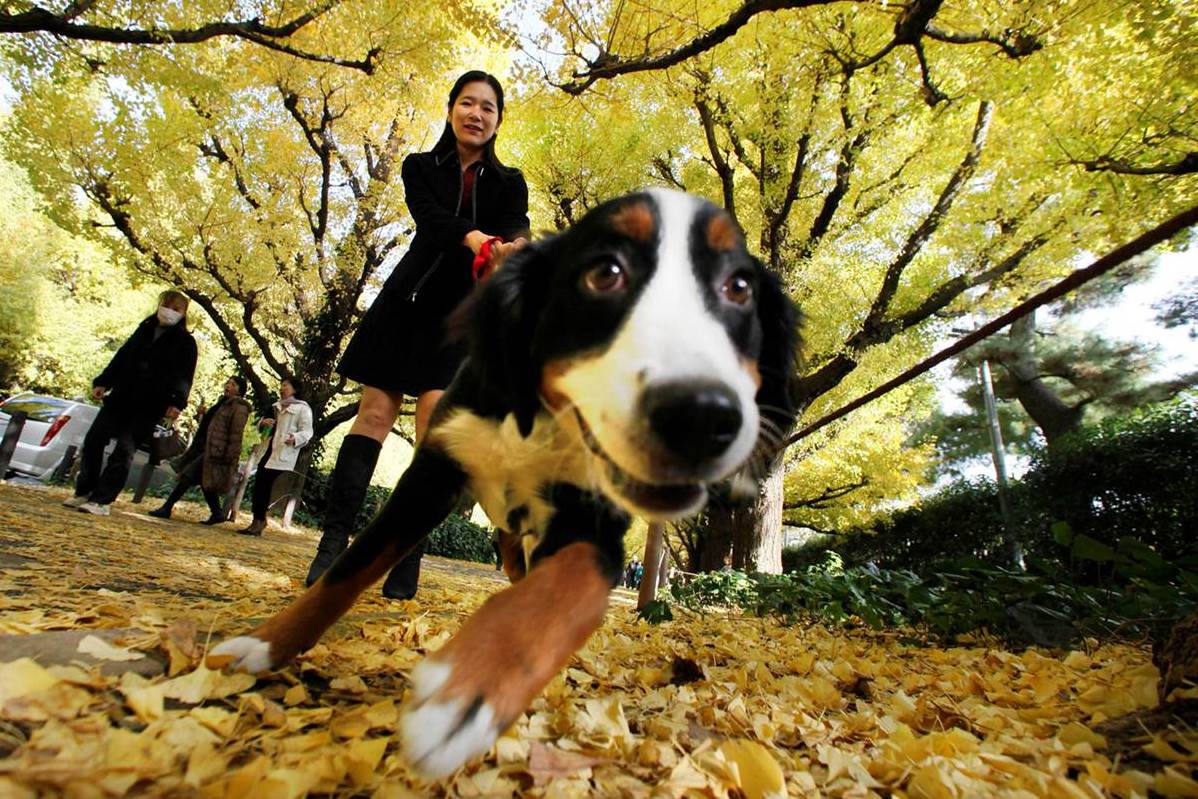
(780, 321)
(498, 323)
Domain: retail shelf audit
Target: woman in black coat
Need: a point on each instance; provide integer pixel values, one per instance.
(469, 210)
(147, 379)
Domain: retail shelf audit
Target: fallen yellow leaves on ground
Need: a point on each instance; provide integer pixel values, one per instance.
(704, 706)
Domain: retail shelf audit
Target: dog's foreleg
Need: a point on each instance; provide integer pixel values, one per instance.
(425, 494)
(466, 694)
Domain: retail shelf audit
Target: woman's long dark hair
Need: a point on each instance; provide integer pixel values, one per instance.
(448, 142)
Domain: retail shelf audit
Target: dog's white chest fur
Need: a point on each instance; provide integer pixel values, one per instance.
(507, 472)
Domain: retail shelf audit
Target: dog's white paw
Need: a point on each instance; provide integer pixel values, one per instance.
(243, 653)
(440, 734)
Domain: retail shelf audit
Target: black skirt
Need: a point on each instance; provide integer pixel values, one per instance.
(401, 344)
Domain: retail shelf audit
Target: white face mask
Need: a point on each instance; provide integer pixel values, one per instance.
(168, 316)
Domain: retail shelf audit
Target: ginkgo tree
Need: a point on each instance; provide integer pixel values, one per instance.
(899, 179)
(265, 188)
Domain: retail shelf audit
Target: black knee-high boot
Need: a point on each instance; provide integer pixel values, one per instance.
(402, 581)
(216, 514)
(164, 511)
(347, 491)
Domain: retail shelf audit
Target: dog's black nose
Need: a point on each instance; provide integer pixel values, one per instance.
(697, 420)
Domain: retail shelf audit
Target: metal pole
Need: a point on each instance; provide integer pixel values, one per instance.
(998, 453)
(12, 434)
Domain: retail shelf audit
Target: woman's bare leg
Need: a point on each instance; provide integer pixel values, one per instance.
(376, 413)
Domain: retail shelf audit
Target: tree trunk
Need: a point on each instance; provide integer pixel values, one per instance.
(1054, 417)
(757, 528)
(716, 542)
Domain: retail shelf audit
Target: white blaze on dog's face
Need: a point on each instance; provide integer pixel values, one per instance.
(666, 398)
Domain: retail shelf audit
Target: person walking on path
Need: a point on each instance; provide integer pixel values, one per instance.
(292, 430)
(211, 460)
(148, 379)
(471, 212)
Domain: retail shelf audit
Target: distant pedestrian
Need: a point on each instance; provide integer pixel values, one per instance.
(292, 430)
(148, 379)
(211, 460)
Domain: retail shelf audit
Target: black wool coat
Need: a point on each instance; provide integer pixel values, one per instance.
(437, 260)
(147, 375)
(401, 345)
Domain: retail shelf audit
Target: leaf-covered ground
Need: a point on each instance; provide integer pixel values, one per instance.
(709, 706)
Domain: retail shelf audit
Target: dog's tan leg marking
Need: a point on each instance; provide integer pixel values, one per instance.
(296, 628)
(466, 694)
(513, 556)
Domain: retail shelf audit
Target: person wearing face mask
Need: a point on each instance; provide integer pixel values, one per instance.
(471, 212)
(147, 379)
(211, 460)
(291, 428)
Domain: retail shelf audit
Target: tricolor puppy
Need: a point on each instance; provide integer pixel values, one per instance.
(619, 368)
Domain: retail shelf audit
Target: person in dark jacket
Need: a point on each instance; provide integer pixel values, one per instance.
(469, 209)
(211, 460)
(148, 379)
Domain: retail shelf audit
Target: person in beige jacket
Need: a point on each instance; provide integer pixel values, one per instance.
(292, 430)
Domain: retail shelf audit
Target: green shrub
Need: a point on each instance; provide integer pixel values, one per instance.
(1040, 606)
(456, 537)
(1133, 478)
(461, 539)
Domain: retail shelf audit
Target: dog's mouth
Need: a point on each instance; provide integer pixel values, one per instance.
(666, 501)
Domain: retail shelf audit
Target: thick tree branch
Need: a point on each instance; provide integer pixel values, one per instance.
(844, 173)
(606, 65)
(321, 146)
(1014, 43)
(1186, 165)
(272, 37)
(826, 496)
(723, 169)
(325, 426)
(913, 23)
(931, 223)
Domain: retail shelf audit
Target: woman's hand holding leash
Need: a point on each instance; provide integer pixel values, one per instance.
(492, 253)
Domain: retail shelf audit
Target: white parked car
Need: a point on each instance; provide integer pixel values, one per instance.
(51, 425)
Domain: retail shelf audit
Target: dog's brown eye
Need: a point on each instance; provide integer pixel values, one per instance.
(605, 278)
(738, 290)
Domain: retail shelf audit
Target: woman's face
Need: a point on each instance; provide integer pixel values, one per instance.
(286, 390)
(176, 304)
(474, 116)
(231, 389)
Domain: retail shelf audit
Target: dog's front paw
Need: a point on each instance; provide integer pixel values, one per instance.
(440, 732)
(243, 653)
(465, 695)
